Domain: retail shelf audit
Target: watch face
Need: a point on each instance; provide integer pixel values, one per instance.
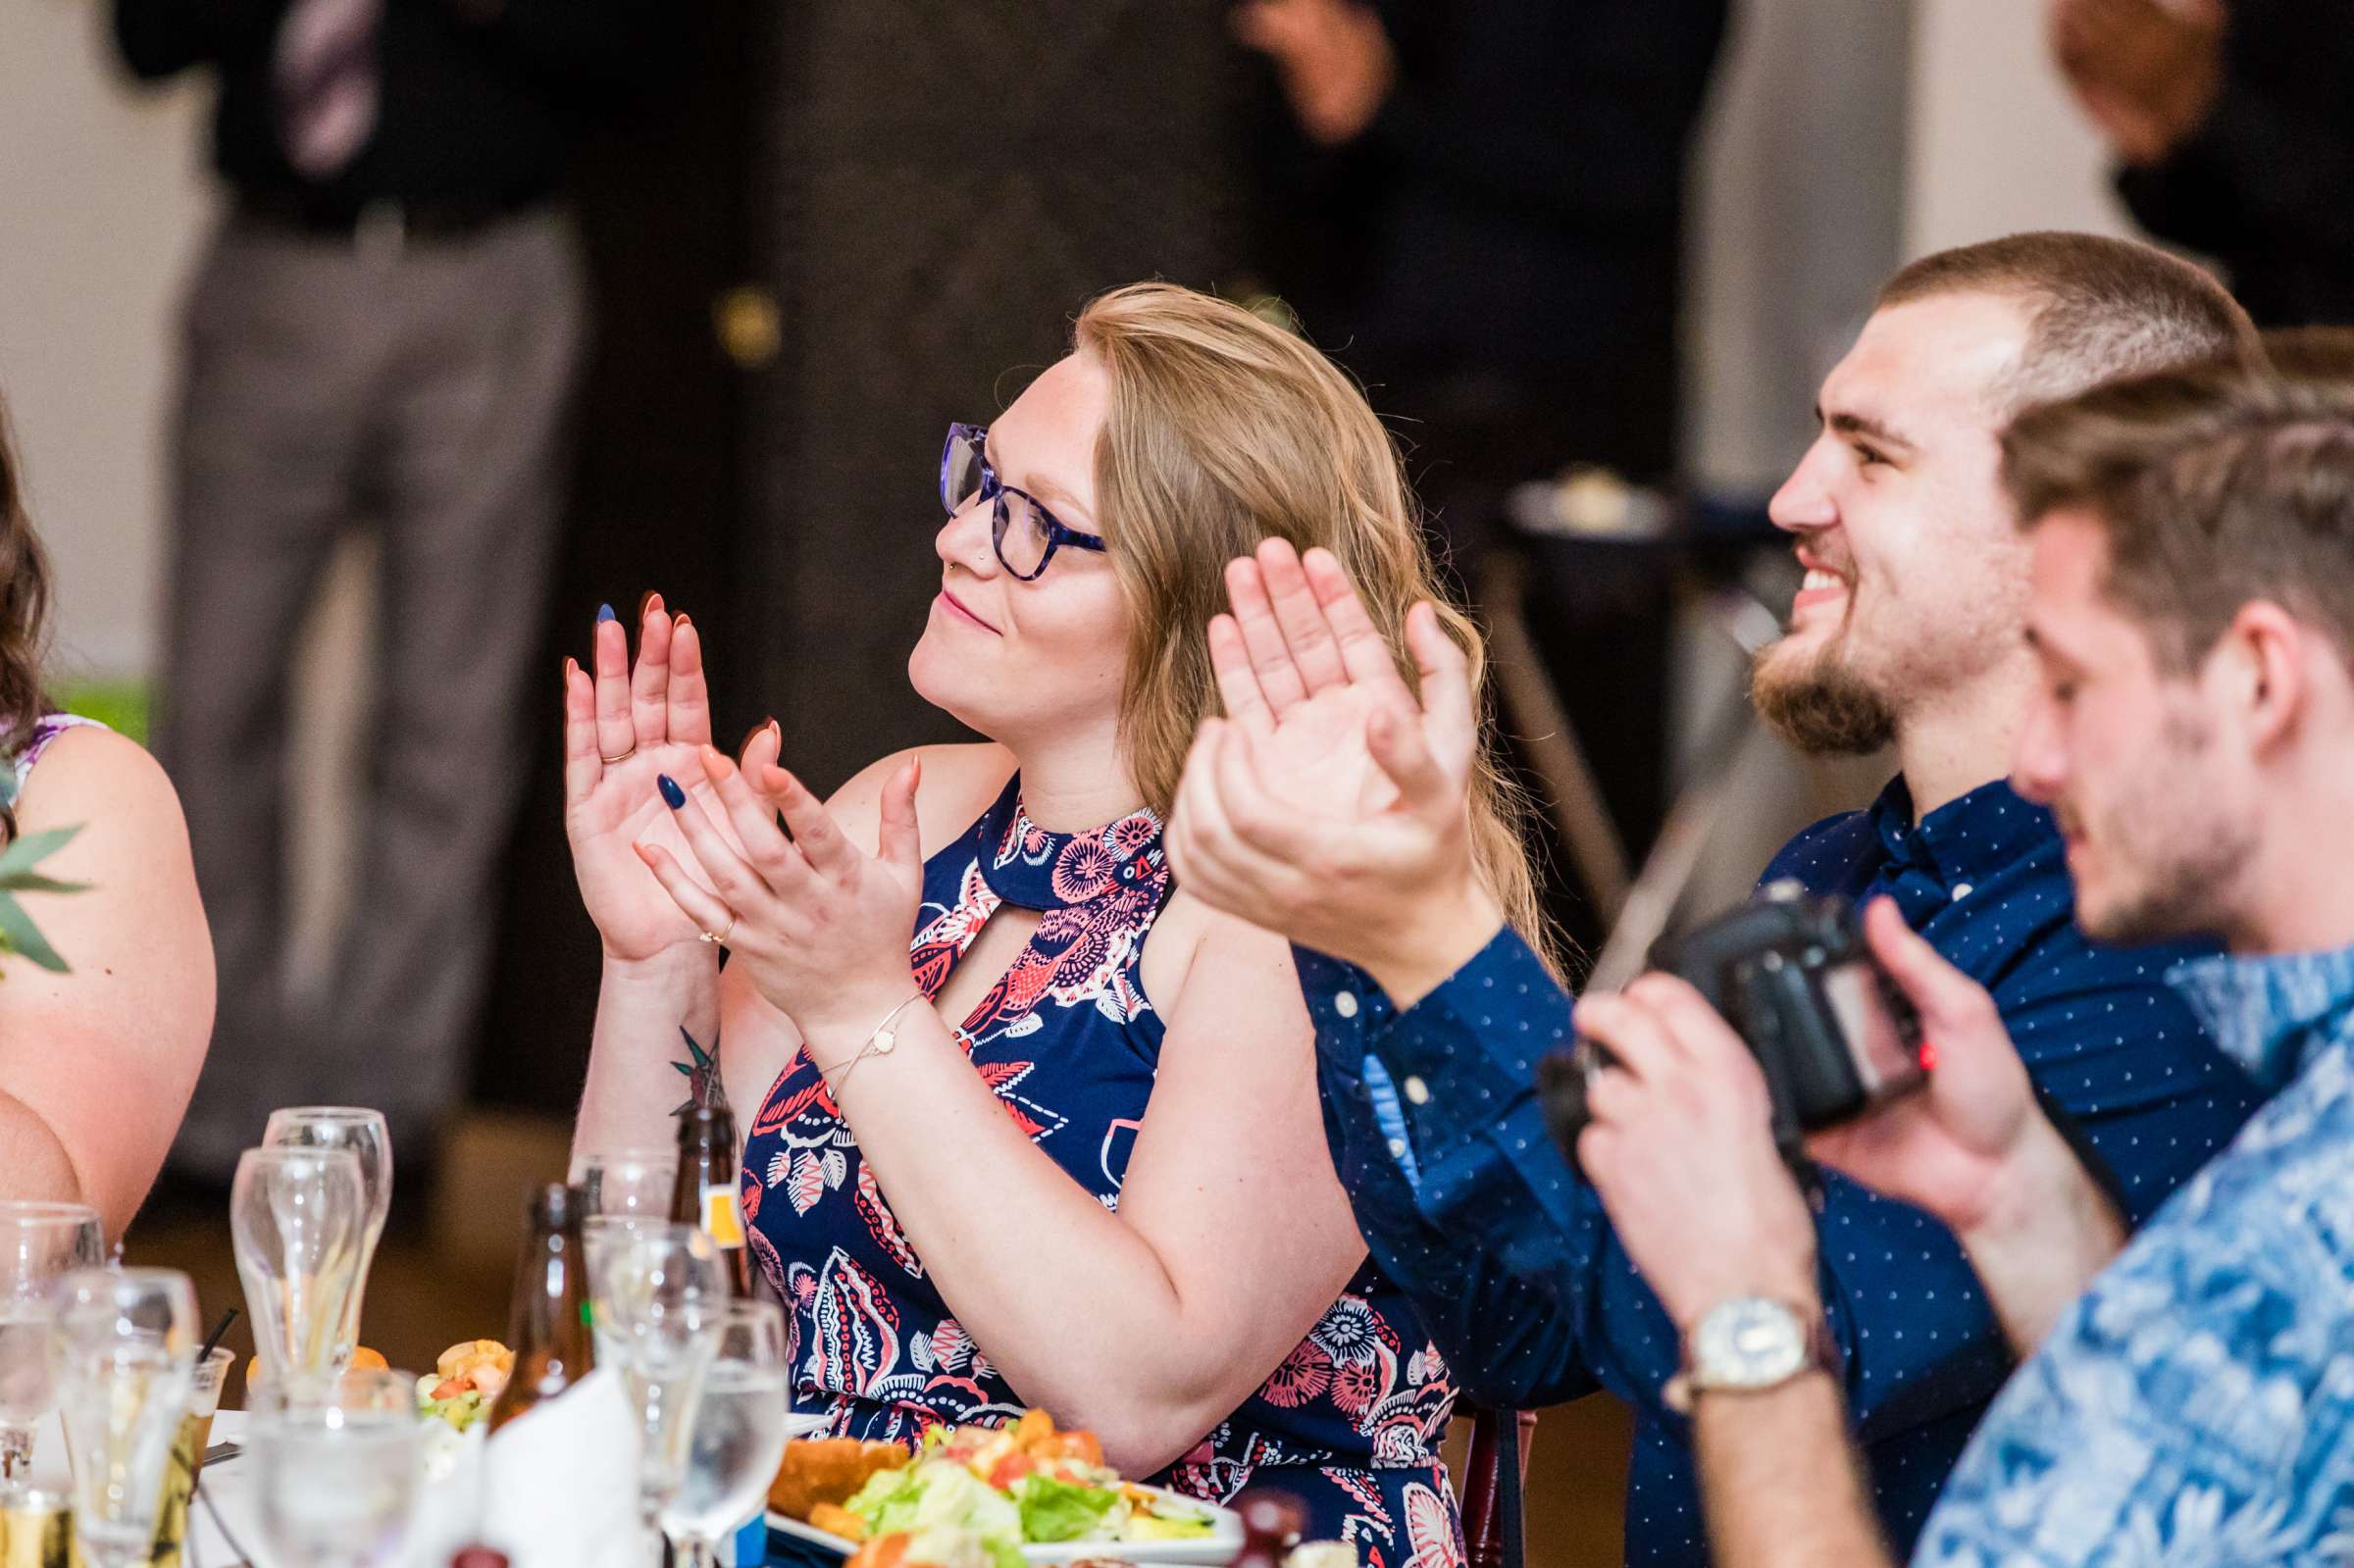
(1748, 1343)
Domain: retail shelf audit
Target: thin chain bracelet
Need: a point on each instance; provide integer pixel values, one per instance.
(880, 1043)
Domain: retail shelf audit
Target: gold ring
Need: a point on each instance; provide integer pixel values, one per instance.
(623, 757)
(720, 940)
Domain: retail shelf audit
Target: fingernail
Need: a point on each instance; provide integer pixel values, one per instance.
(776, 730)
(605, 613)
(672, 796)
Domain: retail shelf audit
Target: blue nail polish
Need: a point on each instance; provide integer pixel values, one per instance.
(605, 613)
(672, 796)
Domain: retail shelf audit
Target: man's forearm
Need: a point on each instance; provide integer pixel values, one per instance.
(2049, 1231)
(1780, 1484)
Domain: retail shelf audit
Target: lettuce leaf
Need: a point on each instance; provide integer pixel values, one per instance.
(935, 1491)
(1061, 1510)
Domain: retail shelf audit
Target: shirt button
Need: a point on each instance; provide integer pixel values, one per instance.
(1397, 1149)
(1344, 1003)
(1961, 892)
(1418, 1092)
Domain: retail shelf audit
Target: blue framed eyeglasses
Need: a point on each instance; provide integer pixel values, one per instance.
(1024, 534)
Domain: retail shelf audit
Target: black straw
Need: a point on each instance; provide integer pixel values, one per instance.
(219, 1329)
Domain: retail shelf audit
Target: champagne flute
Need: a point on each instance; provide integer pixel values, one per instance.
(362, 1132)
(657, 1297)
(339, 1461)
(739, 1433)
(127, 1352)
(299, 1218)
(633, 1184)
(39, 1244)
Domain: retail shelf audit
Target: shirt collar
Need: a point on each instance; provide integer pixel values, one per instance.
(1966, 839)
(2270, 1013)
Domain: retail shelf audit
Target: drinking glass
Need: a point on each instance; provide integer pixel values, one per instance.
(657, 1297)
(363, 1133)
(739, 1433)
(39, 1244)
(126, 1358)
(626, 1183)
(336, 1459)
(299, 1217)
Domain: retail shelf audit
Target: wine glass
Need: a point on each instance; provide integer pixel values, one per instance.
(339, 1459)
(39, 1244)
(299, 1217)
(627, 1183)
(739, 1433)
(126, 1359)
(364, 1132)
(657, 1298)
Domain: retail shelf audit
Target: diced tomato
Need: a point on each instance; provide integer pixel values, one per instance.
(450, 1388)
(1008, 1470)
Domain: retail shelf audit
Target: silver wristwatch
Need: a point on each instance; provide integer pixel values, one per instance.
(1747, 1344)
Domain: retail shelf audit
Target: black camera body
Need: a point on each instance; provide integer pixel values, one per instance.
(1793, 976)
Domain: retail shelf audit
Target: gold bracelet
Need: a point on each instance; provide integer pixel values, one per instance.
(878, 1044)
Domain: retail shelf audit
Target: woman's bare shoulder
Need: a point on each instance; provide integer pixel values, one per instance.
(91, 771)
(1194, 949)
(958, 784)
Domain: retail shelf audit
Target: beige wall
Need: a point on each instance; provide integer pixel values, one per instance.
(1995, 145)
(102, 200)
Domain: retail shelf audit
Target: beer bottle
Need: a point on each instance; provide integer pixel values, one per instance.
(549, 1322)
(706, 1197)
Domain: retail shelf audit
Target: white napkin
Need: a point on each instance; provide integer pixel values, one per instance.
(560, 1482)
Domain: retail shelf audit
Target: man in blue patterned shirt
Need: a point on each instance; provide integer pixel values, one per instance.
(2193, 615)
(1907, 630)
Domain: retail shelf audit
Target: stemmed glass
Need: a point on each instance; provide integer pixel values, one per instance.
(126, 1359)
(739, 1433)
(364, 1132)
(632, 1184)
(339, 1459)
(39, 1244)
(299, 1217)
(657, 1298)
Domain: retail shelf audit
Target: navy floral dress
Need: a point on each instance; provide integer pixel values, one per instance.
(1349, 1422)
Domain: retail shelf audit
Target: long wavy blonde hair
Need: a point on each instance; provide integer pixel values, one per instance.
(1223, 431)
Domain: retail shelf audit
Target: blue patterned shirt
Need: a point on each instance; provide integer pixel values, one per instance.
(1434, 1125)
(2196, 1406)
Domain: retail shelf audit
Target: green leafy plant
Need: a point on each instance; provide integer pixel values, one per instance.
(17, 933)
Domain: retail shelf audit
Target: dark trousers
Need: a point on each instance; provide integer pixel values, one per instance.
(419, 389)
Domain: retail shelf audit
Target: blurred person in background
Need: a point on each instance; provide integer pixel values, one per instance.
(1033, 1126)
(2230, 119)
(2193, 612)
(98, 1058)
(1482, 215)
(385, 332)
(1430, 1014)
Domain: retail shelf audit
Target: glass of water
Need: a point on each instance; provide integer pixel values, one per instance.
(336, 1460)
(657, 1298)
(299, 1217)
(632, 1184)
(363, 1133)
(40, 1244)
(126, 1359)
(739, 1433)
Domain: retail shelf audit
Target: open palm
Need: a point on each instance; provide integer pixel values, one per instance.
(651, 720)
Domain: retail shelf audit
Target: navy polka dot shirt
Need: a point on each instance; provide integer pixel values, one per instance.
(1435, 1128)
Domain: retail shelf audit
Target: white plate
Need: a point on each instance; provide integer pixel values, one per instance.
(1218, 1547)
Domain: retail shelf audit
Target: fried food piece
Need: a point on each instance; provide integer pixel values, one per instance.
(837, 1521)
(831, 1470)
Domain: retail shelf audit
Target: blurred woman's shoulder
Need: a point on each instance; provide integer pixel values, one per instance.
(75, 769)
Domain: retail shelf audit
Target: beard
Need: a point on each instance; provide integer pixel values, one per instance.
(1817, 704)
(2170, 857)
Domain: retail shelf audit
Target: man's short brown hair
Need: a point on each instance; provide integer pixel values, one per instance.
(2214, 486)
(2099, 309)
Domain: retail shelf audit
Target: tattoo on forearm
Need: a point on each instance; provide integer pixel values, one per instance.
(701, 1069)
